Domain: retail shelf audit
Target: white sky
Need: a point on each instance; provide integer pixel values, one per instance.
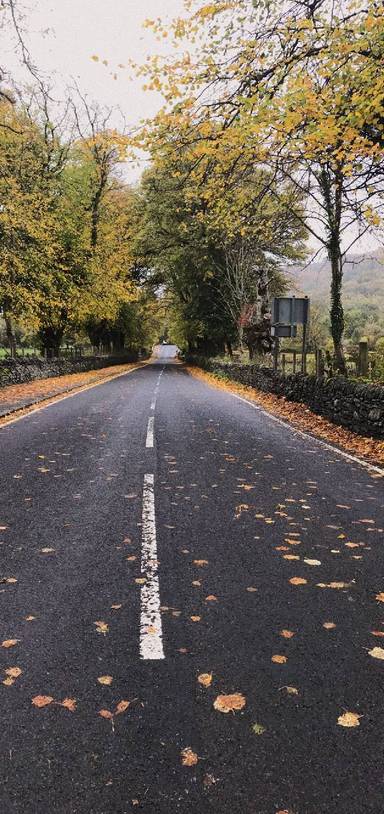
(62, 36)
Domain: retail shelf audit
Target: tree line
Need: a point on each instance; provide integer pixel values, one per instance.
(271, 133)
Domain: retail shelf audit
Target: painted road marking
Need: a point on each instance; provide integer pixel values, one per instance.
(151, 634)
(150, 429)
(155, 394)
(370, 467)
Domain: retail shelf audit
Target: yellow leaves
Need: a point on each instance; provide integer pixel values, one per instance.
(9, 642)
(95, 58)
(349, 719)
(380, 597)
(279, 659)
(298, 581)
(291, 690)
(102, 627)
(205, 679)
(140, 581)
(105, 680)
(229, 703)
(188, 757)
(337, 586)
(12, 673)
(377, 653)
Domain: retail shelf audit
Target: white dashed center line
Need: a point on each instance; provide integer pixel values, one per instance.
(149, 440)
(151, 634)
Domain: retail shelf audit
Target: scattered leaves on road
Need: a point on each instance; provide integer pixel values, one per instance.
(188, 757)
(205, 679)
(229, 703)
(106, 680)
(349, 719)
(102, 627)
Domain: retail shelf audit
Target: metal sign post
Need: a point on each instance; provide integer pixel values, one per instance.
(287, 314)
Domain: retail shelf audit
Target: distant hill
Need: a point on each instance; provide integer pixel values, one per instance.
(363, 292)
(363, 278)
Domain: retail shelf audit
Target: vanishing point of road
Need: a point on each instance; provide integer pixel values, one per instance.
(165, 543)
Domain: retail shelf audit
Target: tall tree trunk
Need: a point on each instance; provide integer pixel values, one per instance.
(337, 311)
(10, 335)
(51, 338)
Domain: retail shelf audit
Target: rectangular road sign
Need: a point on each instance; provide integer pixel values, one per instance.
(290, 311)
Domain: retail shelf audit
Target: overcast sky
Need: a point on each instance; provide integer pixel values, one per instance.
(62, 36)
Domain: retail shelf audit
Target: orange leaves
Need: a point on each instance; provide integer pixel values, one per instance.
(229, 703)
(380, 597)
(102, 627)
(298, 581)
(200, 563)
(41, 701)
(9, 642)
(211, 598)
(287, 634)
(329, 625)
(205, 679)
(195, 618)
(188, 757)
(279, 659)
(121, 707)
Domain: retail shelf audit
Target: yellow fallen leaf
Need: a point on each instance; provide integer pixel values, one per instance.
(8, 681)
(107, 680)
(205, 679)
(42, 700)
(9, 642)
(330, 625)
(229, 703)
(195, 618)
(189, 758)
(279, 659)
(349, 719)
(377, 653)
(69, 703)
(286, 634)
(140, 580)
(380, 597)
(298, 581)
(102, 627)
(13, 672)
(290, 690)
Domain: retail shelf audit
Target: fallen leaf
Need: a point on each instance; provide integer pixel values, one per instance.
(349, 719)
(331, 625)
(102, 627)
(140, 580)
(312, 562)
(11, 580)
(290, 690)
(200, 563)
(211, 598)
(290, 557)
(107, 680)
(377, 633)
(205, 679)
(42, 700)
(122, 706)
(298, 581)
(258, 729)
(30, 618)
(69, 703)
(116, 607)
(197, 583)
(286, 634)
(47, 550)
(195, 618)
(105, 713)
(229, 703)
(9, 642)
(13, 672)
(279, 659)
(377, 653)
(380, 597)
(189, 758)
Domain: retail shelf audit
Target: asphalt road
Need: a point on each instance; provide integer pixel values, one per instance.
(153, 525)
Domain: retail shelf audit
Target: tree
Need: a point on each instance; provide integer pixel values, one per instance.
(297, 88)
